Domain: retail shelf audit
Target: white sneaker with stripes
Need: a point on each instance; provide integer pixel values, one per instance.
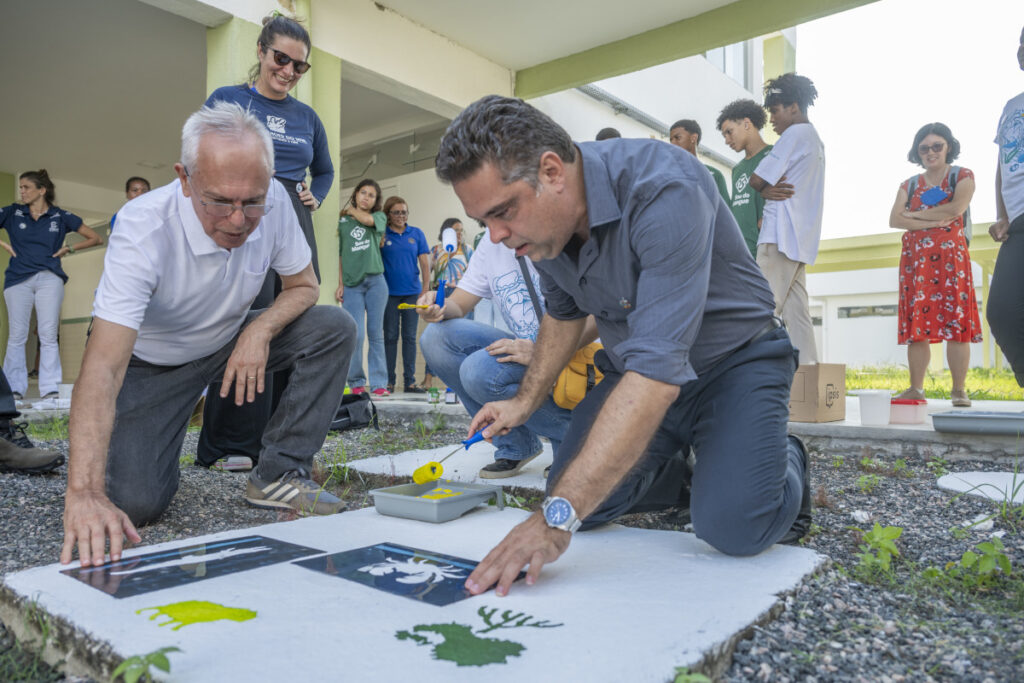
(291, 492)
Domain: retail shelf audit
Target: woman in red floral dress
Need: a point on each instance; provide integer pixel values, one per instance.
(937, 301)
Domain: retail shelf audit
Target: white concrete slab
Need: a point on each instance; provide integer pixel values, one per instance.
(621, 605)
(997, 486)
(463, 466)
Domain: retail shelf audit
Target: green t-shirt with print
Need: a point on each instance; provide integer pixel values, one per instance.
(747, 203)
(723, 188)
(360, 248)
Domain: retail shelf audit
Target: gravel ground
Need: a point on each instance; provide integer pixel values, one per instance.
(838, 626)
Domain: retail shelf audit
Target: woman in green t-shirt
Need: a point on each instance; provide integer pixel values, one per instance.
(362, 290)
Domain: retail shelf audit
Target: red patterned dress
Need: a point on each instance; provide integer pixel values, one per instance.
(937, 301)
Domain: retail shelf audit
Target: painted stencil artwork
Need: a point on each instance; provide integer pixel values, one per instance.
(461, 644)
(189, 612)
(422, 575)
(170, 568)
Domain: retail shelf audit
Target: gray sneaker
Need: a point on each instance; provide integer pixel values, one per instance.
(504, 467)
(31, 460)
(292, 491)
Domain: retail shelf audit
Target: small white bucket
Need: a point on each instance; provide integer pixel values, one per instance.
(874, 406)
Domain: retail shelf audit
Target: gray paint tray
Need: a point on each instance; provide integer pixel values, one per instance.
(979, 422)
(405, 500)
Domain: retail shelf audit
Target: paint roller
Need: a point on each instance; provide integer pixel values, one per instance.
(433, 470)
(450, 242)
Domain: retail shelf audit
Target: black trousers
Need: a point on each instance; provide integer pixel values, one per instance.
(1005, 306)
(238, 430)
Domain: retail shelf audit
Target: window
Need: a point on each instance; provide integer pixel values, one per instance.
(867, 311)
(734, 61)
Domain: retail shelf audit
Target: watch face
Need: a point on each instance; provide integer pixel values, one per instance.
(558, 511)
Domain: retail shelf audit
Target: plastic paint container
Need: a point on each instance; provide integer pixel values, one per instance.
(874, 406)
(908, 411)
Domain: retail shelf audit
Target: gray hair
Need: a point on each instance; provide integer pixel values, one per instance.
(228, 120)
(507, 132)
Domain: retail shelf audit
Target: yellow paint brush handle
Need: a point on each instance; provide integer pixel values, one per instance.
(403, 307)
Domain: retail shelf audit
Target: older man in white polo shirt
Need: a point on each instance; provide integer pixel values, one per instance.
(171, 315)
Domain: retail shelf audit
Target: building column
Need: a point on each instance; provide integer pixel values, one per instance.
(8, 195)
(778, 57)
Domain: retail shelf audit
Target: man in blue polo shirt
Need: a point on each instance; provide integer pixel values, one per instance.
(634, 233)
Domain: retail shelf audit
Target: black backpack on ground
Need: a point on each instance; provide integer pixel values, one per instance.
(355, 412)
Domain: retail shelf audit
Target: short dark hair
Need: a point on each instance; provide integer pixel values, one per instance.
(364, 183)
(507, 132)
(943, 131)
(689, 125)
(790, 89)
(448, 223)
(275, 25)
(128, 183)
(608, 134)
(737, 110)
(41, 179)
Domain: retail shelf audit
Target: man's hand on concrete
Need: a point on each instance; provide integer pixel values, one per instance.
(89, 519)
(1000, 230)
(499, 417)
(533, 542)
(247, 365)
(512, 350)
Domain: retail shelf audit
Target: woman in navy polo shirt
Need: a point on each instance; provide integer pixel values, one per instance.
(407, 271)
(34, 277)
(233, 434)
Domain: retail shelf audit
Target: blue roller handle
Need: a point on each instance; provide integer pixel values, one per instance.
(476, 438)
(439, 299)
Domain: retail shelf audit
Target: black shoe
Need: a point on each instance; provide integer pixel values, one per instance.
(503, 467)
(15, 433)
(803, 519)
(413, 389)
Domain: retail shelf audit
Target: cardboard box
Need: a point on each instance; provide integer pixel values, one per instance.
(818, 393)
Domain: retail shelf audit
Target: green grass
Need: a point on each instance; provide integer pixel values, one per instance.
(982, 383)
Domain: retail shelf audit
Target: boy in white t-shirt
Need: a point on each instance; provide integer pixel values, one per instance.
(482, 363)
(1005, 310)
(791, 225)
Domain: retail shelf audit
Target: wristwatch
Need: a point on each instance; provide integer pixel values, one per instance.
(560, 514)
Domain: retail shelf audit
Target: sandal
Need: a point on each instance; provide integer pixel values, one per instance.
(960, 399)
(910, 394)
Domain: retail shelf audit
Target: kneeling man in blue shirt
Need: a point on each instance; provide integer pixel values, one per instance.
(635, 233)
(172, 315)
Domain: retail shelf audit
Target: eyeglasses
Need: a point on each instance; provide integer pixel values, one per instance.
(281, 59)
(223, 210)
(397, 213)
(937, 147)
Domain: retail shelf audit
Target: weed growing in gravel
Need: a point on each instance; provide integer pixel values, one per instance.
(54, 429)
(838, 461)
(938, 466)
(138, 666)
(878, 547)
(900, 469)
(684, 675)
(867, 483)
(869, 464)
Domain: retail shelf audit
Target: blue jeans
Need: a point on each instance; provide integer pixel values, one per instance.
(457, 350)
(748, 477)
(365, 302)
(408, 321)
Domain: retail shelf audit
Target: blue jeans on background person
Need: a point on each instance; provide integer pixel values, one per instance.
(457, 350)
(366, 302)
(408, 321)
(469, 316)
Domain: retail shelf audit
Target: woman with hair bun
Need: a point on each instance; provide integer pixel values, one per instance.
(936, 288)
(34, 278)
(232, 434)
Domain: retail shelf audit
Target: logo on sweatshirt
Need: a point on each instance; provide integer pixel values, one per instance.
(357, 234)
(275, 123)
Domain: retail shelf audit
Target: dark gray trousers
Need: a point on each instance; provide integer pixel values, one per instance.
(155, 403)
(1005, 307)
(748, 477)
